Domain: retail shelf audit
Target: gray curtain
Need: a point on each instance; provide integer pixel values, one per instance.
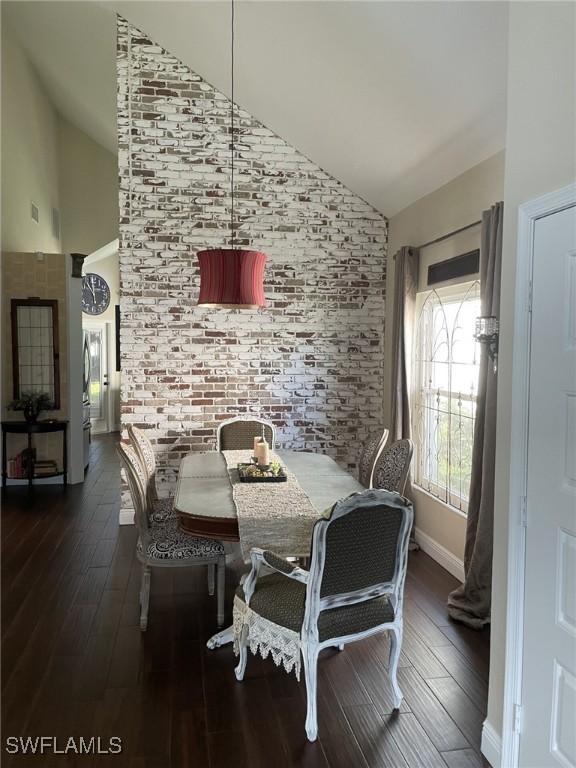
(405, 289)
(470, 603)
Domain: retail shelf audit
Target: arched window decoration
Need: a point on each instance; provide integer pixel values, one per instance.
(445, 384)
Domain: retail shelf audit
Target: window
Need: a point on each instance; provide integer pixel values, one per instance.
(445, 385)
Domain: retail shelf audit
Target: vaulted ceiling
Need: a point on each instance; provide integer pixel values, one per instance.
(392, 98)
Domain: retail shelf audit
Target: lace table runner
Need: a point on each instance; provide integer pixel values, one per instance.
(275, 516)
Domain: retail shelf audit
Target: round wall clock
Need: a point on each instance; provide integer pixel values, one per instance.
(95, 294)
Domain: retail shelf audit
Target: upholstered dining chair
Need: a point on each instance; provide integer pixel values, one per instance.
(393, 465)
(159, 509)
(239, 433)
(163, 544)
(371, 451)
(354, 589)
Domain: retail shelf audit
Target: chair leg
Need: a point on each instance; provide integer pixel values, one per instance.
(240, 668)
(144, 597)
(395, 648)
(211, 569)
(220, 588)
(310, 658)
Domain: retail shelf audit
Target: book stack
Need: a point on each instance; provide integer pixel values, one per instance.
(43, 467)
(17, 468)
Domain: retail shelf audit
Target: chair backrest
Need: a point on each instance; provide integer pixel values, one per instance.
(393, 465)
(145, 453)
(239, 432)
(359, 552)
(372, 449)
(137, 484)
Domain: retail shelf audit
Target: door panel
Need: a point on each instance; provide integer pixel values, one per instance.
(566, 603)
(563, 747)
(549, 692)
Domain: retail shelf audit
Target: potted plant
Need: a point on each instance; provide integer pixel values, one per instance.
(31, 404)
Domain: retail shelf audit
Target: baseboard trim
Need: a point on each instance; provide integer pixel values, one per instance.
(437, 552)
(126, 517)
(491, 745)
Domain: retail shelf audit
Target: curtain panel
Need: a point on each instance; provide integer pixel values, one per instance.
(470, 603)
(405, 289)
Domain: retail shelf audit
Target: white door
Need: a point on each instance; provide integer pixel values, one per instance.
(99, 383)
(548, 732)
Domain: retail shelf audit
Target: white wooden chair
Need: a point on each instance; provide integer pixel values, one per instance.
(371, 451)
(239, 433)
(159, 509)
(354, 589)
(164, 544)
(393, 465)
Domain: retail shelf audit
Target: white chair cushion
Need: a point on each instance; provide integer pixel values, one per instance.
(168, 542)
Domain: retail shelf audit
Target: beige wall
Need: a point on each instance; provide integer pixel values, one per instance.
(50, 162)
(88, 191)
(47, 160)
(89, 199)
(454, 205)
(29, 154)
(540, 158)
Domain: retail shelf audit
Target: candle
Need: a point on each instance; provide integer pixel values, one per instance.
(263, 452)
(256, 441)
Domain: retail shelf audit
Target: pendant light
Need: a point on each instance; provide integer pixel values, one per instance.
(232, 277)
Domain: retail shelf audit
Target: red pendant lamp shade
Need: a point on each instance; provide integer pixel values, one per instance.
(231, 277)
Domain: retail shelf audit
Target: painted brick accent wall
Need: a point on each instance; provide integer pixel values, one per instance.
(312, 361)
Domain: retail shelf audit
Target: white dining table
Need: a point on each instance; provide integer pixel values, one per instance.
(205, 504)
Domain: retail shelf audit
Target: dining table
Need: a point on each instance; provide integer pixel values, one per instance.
(213, 502)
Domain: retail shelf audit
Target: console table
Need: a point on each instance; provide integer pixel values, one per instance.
(30, 429)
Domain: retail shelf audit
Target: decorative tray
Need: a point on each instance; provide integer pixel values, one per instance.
(252, 473)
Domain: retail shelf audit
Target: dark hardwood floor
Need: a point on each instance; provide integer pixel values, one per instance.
(76, 664)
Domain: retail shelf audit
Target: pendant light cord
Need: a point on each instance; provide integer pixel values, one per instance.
(232, 129)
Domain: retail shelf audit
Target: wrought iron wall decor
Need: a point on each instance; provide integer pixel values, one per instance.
(486, 332)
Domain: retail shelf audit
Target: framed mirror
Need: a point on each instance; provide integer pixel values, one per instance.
(35, 353)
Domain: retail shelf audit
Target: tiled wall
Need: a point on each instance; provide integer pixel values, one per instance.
(312, 360)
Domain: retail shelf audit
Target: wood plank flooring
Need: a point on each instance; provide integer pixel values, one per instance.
(76, 664)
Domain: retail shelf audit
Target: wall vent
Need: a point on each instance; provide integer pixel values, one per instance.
(35, 212)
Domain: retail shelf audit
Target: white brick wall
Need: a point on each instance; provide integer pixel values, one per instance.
(312, 360)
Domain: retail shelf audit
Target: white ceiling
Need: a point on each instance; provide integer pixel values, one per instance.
(392, 98)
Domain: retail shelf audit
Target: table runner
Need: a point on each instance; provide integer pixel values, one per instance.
(275, 516)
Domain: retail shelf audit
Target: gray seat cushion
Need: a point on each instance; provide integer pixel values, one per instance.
(282, 601)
